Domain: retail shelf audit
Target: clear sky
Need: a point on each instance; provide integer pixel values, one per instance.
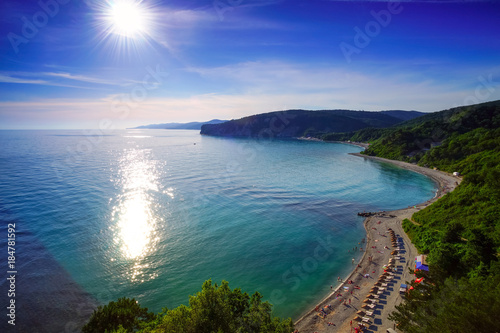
(122, 63)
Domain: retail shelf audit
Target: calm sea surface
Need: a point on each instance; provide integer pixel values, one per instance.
(151, 214)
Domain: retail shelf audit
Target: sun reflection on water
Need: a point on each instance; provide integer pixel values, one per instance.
(133, 213)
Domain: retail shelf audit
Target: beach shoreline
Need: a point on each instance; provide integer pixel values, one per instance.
(376, 254)
(358, 144)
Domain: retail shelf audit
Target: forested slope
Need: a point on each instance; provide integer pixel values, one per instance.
(461, 231)
(298, 123)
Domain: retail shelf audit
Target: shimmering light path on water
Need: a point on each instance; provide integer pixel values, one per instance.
(151, 214)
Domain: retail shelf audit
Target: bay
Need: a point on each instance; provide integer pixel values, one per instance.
(151, 214)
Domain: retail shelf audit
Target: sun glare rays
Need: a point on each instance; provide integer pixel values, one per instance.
(128, 19)
(125, 26)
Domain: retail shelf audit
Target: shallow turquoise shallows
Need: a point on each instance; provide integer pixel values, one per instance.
(151, 214)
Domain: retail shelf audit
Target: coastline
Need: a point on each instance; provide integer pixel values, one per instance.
(378, 246)
(354, 143)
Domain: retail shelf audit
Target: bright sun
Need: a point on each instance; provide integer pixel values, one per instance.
(127, 26)
(127, 18)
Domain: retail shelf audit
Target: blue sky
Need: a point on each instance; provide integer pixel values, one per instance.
(78, 64)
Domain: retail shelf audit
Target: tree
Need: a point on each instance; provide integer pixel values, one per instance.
(456, 306)
(215, 309)
(125, 312)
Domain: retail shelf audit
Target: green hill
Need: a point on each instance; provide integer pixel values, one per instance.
(299, 123)
(410, 140)
(461, 231)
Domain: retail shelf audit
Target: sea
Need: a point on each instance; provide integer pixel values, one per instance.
(152, 214)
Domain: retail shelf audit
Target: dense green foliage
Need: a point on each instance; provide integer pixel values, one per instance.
(365, 135)
(411, 140)
(215, 309)
(299, 123)
(464, 224)
(125, 314)
(452, 306)
(461, 231)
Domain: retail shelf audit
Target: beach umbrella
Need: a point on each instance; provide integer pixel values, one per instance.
(357, 318)
(394, 252)
(361, 312)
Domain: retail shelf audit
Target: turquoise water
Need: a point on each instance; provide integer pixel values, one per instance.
(151, 214)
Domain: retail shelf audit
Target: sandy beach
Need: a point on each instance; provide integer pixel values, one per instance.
(341, 310)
